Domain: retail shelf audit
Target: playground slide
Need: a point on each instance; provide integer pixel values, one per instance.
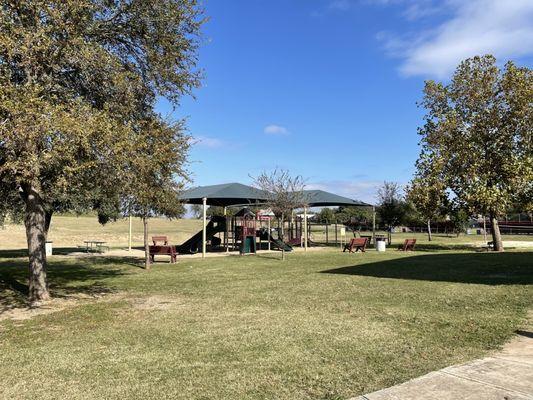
(194, 244)
(264, 234)
(280, 244)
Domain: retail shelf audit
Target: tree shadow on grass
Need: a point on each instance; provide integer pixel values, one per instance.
(481, 268)
(439, 247)
(66, 279)
(58, 251)
(427, 247)
(269, 256)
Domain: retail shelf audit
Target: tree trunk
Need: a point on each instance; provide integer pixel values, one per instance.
(281, 236)
(389, 235)
(429, 230)
(36, 224)
(496, 235)
(146, 245)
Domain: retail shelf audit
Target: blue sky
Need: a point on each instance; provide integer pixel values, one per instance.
(328, 88)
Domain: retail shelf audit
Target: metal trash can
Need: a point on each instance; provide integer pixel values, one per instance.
(381, 244)
(48, 248)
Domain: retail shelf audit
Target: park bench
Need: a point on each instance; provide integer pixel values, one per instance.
(161, 247)
(368, 239)
(355, 245)
(160, 239)
(163, 251)
(409, 244)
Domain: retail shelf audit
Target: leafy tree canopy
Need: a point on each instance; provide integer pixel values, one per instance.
(478, 137)
(78, 84)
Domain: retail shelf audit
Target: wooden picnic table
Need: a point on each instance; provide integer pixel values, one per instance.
(91, 245)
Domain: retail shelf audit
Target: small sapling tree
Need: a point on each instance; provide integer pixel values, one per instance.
(391, 206)
(285, 194)
(427, 193)
(155, 178)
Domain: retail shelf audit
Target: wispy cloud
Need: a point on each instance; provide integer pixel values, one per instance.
(206, 141)
(475, 27)
(415, 10)
(358, 190)
(274, 129)
(341, 5)
(333, 6)
(412, 9)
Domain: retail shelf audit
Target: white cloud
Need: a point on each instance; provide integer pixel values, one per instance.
(206, 141)
(475, 27)
(275, 130)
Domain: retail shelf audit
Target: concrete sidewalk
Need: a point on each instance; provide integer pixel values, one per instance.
(507, 375)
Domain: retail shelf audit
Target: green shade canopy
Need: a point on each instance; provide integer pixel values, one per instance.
(223, 195)
(321, 198)
(231, 194)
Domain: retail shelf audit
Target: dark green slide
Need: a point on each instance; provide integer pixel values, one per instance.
(280, 244)
(277, 242)
(194, 244)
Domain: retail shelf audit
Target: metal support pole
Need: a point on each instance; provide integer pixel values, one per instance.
(374, 224)
(305, 228)
(226, 242)
(268, 224)
(234, 233)
(129, 235)
(204, 221)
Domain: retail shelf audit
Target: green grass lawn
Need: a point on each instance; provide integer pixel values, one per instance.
(322, 325)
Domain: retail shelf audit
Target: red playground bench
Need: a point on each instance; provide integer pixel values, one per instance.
(356, 244)
(160, 239)
(162, 249)
(409, 244)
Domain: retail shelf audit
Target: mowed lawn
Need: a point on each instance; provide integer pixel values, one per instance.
(322, 325)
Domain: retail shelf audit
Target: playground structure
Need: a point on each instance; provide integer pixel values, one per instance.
(248, 232)
(244, 230)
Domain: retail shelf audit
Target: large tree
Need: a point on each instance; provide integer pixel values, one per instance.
(76, 79)
(478, 131)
